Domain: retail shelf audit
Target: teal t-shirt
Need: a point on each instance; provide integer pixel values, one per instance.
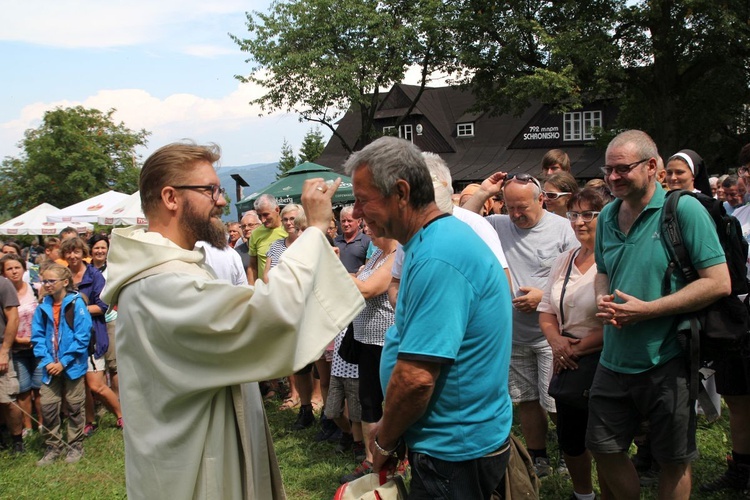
(454, 309)
(635, 264)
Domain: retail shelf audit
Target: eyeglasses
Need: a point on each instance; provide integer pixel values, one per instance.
(245, 226)
(586, 216)
(215, 190)
(49, 282)
(553, 196)
(525, 178)
(743, 170)
(621, 169)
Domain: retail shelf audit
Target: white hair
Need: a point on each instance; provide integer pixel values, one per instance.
(441, 181)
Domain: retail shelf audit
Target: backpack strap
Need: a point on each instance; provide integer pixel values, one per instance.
(675, 244)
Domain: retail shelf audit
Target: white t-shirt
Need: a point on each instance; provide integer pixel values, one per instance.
(226, 263)
(480, 226)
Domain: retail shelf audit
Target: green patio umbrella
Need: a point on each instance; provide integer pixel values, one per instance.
(288, 189)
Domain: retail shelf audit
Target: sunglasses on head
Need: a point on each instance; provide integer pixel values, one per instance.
(524, 178)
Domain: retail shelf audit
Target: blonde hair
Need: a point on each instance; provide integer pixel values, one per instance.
(63, 273)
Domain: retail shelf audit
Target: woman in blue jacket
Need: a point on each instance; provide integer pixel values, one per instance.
(60, 334)
(89, 282)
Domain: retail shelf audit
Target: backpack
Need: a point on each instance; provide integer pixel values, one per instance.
(70, 319)
(721, 329)
(520, 479)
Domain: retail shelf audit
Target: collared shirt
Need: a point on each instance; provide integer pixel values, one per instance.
(354, 252)
(635, 264)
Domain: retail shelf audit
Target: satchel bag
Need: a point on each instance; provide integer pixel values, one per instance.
(375, 486)
(571, 387)
(348, 350)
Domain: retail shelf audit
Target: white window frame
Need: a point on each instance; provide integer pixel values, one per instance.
(580, 125)
(406, 132)
(388, 130)
(465, 129)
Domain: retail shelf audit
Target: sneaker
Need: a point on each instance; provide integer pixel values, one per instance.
(327, 429)
(75, 454)
(736, 477)
(542, 467)
(358, 447)
(120, 423)
(345, 443)
(650, 477)
(335, 436)
(18, 448)
(562, 468)
(50, 455)
(89, 430)
(362, 470)
(305, 418)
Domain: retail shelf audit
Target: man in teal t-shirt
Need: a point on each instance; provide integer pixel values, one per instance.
(643, 374)
(445, 363)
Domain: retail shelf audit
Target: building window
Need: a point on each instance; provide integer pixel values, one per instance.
(405, 132)
(580, 125)
(465, 130)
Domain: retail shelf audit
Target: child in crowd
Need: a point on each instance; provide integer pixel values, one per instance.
(344, 388)
(61, 330)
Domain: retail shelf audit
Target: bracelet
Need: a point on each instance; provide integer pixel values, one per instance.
(384, 452)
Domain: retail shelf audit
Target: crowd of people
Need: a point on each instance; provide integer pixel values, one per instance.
(60, 340)
(434, 318)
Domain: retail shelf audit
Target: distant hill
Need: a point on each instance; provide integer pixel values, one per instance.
(258, 175)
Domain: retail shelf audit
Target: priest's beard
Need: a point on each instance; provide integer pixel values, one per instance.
(210, 231)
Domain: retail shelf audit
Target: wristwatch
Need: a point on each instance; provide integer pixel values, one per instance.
(384, 452)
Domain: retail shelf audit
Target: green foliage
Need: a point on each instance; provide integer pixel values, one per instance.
(287, 161)
(319, 58)
(312, 145)
(676, 68)
(74, 154)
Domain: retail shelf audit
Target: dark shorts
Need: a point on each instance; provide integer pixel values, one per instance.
(732, 376)
(619, 402)
(305, 370)
(476, 479)
(370, 392)
(571, 429)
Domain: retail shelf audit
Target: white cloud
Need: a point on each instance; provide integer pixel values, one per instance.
(231, 119)
(116, 23)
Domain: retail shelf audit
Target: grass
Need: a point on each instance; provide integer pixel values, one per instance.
(310, 470)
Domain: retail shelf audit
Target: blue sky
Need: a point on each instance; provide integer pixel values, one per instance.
(167, 66)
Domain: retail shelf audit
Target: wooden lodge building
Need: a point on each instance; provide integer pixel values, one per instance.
(476, 144)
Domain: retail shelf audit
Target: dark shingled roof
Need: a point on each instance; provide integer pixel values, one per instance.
(499, 142)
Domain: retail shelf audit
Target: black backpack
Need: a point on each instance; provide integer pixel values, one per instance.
(721, 329)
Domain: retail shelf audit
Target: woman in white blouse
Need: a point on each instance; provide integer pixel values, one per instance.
(575, 331)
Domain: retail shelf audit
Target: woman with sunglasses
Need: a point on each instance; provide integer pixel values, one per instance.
(567, 318)
(558, 188)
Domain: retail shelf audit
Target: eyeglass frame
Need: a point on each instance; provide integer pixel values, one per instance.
(51, 282)
(574, 216)
(216, 190)
(624, 169)
(255, 224)
(556, 195)
(524, 178)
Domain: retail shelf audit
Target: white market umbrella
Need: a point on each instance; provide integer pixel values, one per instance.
(54, 228)
(35, 222)
(126, 213)
(87, 210)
